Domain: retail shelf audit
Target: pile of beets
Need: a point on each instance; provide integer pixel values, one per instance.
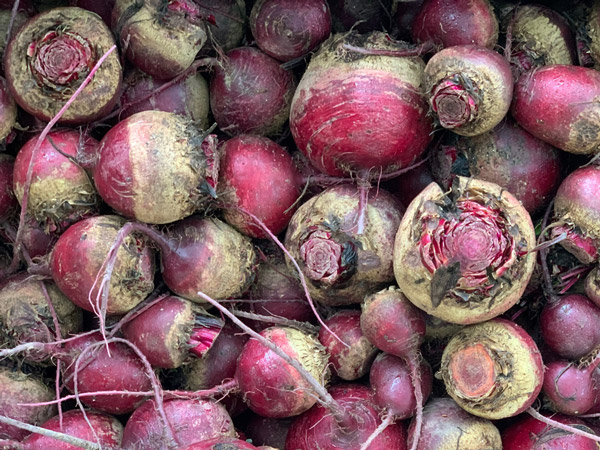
(299, 224)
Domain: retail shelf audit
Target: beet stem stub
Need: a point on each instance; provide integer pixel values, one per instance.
(455, 102)
(473, 370)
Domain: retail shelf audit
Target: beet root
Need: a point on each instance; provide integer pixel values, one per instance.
(464, 256)
(79, 255)
(283, 392)
(493, 369)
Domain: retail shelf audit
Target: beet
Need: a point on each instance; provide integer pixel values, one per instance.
(172, 331)
(8, 112)
(153, 167)
(61, 191)
(191, 420)
(121, 370)
(349, 103)
(570, 326)
(591, 286)
(258, 176)
(250, 93)
(161, 39)
(528, 433)
(51, 55)
(283, 392)
(464, 256)
(493, 369)
(26, 316)
(8, 201)
(469, 88)
(566, 114)
(353, 360)
(188, 97)
(340, 263)
(227, 23)
(446, 426)
(17, 387)
(455, 22)
(509, 156)
(265, 431)
(317, 428)
(77, 266)
(94, 427)
(288, 29)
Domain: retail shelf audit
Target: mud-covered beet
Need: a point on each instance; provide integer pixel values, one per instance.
(77, 265)
(350, 102)
(251, 93)
(509, 156)
(493, 369)
(462, 255)
(51, 55)
(340, 264)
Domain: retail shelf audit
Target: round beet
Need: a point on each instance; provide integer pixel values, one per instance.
(393, 391)
(353, 360)
(493, 369)
(61, 191)
(192, 421)
(153, 167)
(26, 315)
(172, 331)
(340, 262)
(317, 428)
(117, 368)
(251, 93)
(446, 426)
(258, 176)
(8, 201)
(288, 29)
(188, 97)
(161, 38)
(464, 256)
(273, 388)
(78, 258)
(509, 156)
(564, 114)
(94, 427)
(17, 387)
(469, 88)
(227, 23)
(51, 55)
(456, 22)
(354, 111)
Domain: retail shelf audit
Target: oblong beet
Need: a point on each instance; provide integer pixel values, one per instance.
(50, 56)
(557, 104)
(357, 112)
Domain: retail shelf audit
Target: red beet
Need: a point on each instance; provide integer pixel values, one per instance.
(509, 156)
(221, 444)
(393, 391)
(456, 22)
(446, 426)
(35, 240)
(122, 370)
(353, 360)
(469, 88)
(563, 98)
(349, 103)
(172, 331)
(161, 39)
(570, 326)
(51, 55)
(493, 369)
(288, 29)
(317, 428)
(258, 176)
(153, 167)
(282, 392)
(251, 93)
(94, 426)
(265, 431)
(77, 266)
(8, 201)
(17, 387)
(528, 433)
(227, 23)
(191, 420)
(188, 97)
(61, 191)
